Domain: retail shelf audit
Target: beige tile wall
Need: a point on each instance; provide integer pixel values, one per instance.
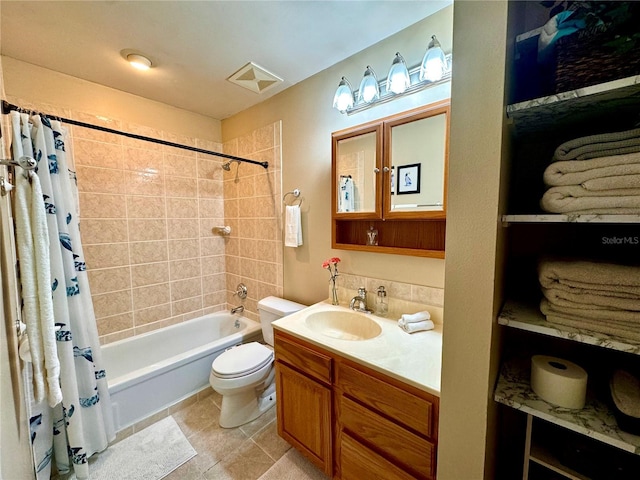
(395, 290)
(253, 209)
(146, 216)
(147, 213)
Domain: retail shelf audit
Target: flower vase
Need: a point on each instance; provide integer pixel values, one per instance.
(334, 292)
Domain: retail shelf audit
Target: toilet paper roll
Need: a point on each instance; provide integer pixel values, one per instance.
(558, 381)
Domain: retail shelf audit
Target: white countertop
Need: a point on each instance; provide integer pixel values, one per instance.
(415, 358)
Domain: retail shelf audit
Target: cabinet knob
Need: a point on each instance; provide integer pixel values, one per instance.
(376, 170)
(385, 169)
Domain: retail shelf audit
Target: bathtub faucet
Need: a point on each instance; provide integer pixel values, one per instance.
(238, 309)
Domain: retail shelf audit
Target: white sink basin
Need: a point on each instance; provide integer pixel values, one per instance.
(343, 325)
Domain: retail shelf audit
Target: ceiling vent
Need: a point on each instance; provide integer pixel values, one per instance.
(254, 78)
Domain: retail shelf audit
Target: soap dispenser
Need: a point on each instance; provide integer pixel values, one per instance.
(381, 309)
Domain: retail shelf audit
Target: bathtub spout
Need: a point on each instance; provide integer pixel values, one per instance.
(238, 309)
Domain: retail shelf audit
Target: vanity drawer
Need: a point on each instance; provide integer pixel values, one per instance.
(391, 440)
(303, 358)
(359, 462)
(410, 410)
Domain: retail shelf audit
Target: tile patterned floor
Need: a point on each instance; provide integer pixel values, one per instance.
(242, 453)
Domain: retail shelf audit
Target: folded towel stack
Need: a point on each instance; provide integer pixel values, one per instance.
(602, 297)
(598, 174)
(416, 322)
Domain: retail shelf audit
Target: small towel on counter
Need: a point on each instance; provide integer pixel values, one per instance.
(415, 317)
(412, 327)
(602, 145)
(580, 172)
(292, 227)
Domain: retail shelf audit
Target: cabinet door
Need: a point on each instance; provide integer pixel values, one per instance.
(416, 152)
(356, 162)
(360, 463)
(304, 415)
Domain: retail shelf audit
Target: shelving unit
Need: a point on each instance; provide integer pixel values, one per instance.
(536, 125)
(560, 218)
(595, 420)
(529, 318)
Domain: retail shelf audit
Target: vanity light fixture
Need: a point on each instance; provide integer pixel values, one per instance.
(139, 61)
(343, 99)
(434, 63)
(398, 80)
(434, 70)
(369, 88)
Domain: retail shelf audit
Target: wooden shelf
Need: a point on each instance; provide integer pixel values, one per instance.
(574, 218)
(528, 317)
(582, 104)
(595, 420)
(543, 457)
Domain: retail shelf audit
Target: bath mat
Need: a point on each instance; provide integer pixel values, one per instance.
(150, 454)
(293, 466)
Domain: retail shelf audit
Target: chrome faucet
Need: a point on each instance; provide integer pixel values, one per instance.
(238, 309)
(360, 300)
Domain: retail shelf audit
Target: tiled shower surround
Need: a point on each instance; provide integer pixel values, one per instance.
(147, 216)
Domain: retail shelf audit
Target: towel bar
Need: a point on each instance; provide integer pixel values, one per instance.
(295, 193)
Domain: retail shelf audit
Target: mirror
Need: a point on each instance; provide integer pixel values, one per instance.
(417, 152)
(356, 162)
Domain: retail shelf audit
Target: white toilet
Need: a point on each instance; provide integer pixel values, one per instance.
(245, 375)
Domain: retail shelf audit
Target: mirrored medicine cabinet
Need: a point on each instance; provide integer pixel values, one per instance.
(389, 186)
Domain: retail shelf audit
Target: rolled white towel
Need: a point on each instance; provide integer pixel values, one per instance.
(416, 317)
(416, 326)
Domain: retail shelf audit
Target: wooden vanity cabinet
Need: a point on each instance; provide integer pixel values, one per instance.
(375, 425)
(303, 392)
(386, 421)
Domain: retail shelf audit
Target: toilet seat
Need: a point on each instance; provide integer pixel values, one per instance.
(242, 360)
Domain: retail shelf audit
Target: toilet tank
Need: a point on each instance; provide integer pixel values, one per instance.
(273, 308)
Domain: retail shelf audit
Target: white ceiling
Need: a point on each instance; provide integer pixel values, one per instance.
(197, 45)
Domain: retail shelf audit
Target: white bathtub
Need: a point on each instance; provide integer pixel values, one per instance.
(150, 372)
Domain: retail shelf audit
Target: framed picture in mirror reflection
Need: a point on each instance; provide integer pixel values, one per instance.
(408, 179)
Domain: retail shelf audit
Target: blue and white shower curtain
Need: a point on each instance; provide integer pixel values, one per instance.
(82, 423)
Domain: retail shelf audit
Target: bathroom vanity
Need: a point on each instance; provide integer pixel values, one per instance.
(358, 407)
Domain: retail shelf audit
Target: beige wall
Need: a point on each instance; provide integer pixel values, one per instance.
(64, 94)
(15, 451)
(470, 347)
(307, 122)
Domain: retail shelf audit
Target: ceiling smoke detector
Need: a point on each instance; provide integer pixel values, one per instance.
(255, 78)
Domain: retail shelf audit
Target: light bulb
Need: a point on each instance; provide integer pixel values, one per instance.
(434, 63)
(138, 61)
(343, 99)
(398, 79)
(369, 89)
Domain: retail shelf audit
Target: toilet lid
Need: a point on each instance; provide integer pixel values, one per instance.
(242, 360)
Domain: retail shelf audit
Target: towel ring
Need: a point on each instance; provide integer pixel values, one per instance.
(296, 194)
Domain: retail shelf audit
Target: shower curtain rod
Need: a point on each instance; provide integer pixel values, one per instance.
(8, 107)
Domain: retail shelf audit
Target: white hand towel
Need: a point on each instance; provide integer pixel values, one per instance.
(292, 227)
(413, 327)
(345, 200)
(35, 276)
(416, 317)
